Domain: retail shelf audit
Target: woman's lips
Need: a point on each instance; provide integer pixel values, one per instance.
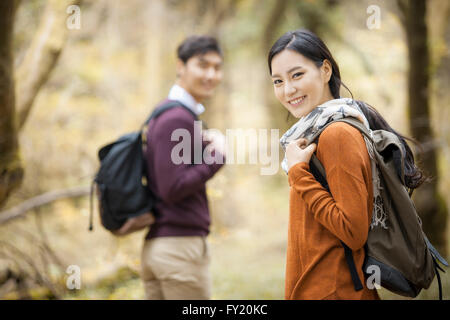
(297, 101)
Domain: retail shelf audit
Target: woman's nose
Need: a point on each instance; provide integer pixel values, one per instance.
(289, 89)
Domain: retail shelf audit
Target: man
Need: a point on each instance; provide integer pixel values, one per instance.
(175, 256)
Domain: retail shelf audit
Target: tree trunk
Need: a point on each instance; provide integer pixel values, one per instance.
(32, 74)
(277, 113)
(429, 203)
(11, 171)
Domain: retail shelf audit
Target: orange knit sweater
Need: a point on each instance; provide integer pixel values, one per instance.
(316, 267)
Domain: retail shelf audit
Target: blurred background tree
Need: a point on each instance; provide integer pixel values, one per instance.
(11, 171)
(428, 200)
(88, 86)
(20, 87)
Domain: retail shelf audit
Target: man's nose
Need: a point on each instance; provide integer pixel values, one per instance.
(211, 73)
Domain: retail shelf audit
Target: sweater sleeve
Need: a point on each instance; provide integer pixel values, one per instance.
(346, 211)
(177, 181)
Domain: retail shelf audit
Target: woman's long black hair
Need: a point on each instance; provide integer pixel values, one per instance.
(312, 47)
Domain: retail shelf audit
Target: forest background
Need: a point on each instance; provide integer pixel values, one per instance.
(73, 79)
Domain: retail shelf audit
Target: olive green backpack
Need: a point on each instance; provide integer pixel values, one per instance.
(400, 249)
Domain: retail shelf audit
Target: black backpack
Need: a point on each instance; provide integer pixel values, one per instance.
(121, 181)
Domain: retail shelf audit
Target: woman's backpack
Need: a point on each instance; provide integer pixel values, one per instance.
(400, 249)
(125, 200)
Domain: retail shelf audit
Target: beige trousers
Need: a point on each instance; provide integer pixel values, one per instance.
(176, 268)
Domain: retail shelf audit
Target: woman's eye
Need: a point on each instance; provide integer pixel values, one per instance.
(277, 81)
(298, 74)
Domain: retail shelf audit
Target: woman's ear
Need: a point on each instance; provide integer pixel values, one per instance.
(327, 70)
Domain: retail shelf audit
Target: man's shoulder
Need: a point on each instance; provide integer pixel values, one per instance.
(173, 118)
(177, 113)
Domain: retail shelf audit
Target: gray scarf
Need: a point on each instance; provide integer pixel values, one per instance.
(331, 110)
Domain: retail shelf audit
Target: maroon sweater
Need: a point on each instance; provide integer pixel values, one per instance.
(182, 208)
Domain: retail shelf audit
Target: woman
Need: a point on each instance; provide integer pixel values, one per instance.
(307, 82)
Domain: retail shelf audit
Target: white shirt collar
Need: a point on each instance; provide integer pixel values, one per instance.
(180, 94)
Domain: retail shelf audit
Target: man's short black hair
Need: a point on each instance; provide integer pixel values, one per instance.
(197, 45)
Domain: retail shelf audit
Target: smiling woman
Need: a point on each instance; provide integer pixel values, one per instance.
(306, 81)
(298, 83)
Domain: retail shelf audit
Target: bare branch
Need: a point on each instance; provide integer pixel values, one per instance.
(42, 200)
(42, 56)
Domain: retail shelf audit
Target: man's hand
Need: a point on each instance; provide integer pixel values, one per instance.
(136, 223)
(217, 140)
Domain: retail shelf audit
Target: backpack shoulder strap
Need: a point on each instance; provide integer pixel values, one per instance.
(157, 112)
(382, 139)
(351, 121)
(166, 106)
(318, 171)
(316, 164)
(358, 125)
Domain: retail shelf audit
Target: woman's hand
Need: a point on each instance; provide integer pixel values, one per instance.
(297, 151)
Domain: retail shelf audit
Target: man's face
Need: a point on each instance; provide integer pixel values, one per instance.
(200, 75)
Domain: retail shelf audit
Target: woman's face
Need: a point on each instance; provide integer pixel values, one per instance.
(298, 83)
